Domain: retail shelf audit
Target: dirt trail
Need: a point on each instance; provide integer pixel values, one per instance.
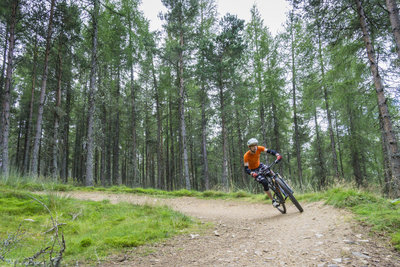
(248, 234)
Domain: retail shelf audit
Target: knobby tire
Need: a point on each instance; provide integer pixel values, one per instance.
(278, 196)
(290, 194)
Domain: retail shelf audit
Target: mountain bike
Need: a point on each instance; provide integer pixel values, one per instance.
(281, 190)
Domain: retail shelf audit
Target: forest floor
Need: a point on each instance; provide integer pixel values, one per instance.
(255, 234)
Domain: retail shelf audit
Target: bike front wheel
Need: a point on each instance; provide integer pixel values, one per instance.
(289, 193)
(279, 198)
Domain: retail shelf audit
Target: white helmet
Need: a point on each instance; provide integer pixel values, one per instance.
(252, 142)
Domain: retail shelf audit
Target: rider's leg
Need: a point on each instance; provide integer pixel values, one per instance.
(269, 194)
(266, 189)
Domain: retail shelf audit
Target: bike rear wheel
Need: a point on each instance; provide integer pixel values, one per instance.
(289, 194)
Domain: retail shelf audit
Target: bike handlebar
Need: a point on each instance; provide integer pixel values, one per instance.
(272, 164)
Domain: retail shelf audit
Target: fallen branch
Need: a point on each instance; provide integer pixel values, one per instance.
(31, 260)
(54, 228)
(10, 242)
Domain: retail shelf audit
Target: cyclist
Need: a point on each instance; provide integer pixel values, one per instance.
(252, 164)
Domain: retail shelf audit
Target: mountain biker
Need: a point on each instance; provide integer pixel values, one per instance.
(252, 164)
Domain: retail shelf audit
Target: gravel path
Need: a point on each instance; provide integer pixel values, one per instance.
(249, 234)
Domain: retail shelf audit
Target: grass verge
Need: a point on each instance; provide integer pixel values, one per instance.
(380, 214)
(92, 230)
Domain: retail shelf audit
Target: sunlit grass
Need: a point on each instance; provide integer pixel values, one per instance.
(380, 214)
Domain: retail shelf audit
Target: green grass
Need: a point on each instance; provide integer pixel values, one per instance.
(44, 184)
(100, 228)
(380, 214)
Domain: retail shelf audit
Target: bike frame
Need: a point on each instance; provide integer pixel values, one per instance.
(281, 189)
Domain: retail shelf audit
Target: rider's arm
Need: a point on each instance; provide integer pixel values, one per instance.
(247, 170)
(246, 167)
(275, 153)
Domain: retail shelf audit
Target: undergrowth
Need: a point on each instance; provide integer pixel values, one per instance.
(380, 214)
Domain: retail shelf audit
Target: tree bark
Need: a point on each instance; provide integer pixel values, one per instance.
(35, 155)
(103, 118)
(57, 114)
(386, 162)
(393, 151)
(182, 115)
(223, 130)
(328, 111)
(172, 150)
(116, 172)
(3, 68)
(160, 152)
(354, 151)
(259, 82)
(90, 141)
(339, 148)
(322, 175)
(204, 139)
(203, 99)
(29, 122)
(18, 152)
(241, 145)
(65, 154)
(135, 171)
(133, 101)
(7, 90)
(296, 127)
(394, 21)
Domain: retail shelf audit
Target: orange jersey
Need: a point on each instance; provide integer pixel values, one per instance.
(253, 160)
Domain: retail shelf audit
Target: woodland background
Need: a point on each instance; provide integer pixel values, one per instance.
(90, 95)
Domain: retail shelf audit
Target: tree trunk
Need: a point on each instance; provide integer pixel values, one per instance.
(35, 155)
(275, 121)
(133, 101)
(321, 163)
(160, 152)
(328, 111)
(241, 145)
(339, 148)
(204, 139)
(386, 162)
(65, 154)
(296, 127)
(90, 141)
(167, 160)
(354, 151)
(7, 92)
(135, 171)
(223, 132)
(103, 160)
(109, 146)
(116, 174)
(29, 122)
(172, 162)
(182, 115)
(393, 151)
(18, 152)
(394, 21)
(3, 68)
(57, 114)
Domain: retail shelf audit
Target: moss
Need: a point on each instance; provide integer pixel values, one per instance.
(123, 242)
(86, 242)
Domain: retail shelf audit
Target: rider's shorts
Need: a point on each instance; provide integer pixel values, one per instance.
(261, 179)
